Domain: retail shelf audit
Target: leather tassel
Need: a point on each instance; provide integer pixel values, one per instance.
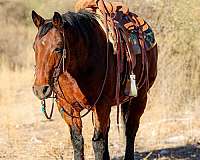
(133, 88)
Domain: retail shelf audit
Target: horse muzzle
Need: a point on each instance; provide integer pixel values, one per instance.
(42, 92)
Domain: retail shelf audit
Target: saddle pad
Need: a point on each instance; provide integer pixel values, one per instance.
(148, 37)
(138, 30)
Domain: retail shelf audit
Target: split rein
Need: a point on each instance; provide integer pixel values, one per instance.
(56, 74)
(43, 103)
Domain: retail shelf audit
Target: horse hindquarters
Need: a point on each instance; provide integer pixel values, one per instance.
(133, 110)
(152, 64)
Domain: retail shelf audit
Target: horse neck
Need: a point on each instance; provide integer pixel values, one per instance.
(86, 49)
(88, 60)
(75, 56)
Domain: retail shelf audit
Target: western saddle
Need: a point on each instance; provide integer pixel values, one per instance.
(129, 34)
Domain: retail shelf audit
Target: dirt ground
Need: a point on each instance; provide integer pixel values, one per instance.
(25, 134)
(169, 129)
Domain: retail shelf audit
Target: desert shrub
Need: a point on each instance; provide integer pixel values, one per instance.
(13, 39)
(18, 30)
(176, 25)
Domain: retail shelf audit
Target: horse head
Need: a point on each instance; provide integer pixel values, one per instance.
(48, 47)
(73, 43)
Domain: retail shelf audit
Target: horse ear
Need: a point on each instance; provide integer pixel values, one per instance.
(57, 20)
(37, 19)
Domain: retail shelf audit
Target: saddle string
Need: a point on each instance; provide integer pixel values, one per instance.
(140, 84)
(106, 14)
(118, 75)
(118, 50)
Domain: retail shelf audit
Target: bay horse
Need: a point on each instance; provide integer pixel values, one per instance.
(79, 80)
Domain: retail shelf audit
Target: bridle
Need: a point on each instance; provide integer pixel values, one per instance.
(56, 84)
(56, 74)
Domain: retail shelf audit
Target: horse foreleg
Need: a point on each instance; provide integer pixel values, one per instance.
(75, 126)
(131, 114)
(101, 129)
(77, 142)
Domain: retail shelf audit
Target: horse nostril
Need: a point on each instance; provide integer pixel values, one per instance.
(42, 91)
(45, 89)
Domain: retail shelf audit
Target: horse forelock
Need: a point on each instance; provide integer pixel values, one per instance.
(43, 30)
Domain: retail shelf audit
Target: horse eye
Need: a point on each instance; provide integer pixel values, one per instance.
(58, 50)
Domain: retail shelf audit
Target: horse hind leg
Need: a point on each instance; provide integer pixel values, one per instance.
(131, 113)
(101, 129)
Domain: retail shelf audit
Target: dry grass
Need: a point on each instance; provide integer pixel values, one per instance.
(171, 118)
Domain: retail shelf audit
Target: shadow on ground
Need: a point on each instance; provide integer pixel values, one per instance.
(188, 152)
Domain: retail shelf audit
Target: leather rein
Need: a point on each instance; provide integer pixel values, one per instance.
(57, 72)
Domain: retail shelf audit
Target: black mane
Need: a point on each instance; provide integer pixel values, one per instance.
(81, 21)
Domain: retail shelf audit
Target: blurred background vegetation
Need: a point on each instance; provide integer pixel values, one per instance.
(18, 31)
(176, 23)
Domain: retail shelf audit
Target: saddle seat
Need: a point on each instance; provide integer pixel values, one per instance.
(92, 6)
